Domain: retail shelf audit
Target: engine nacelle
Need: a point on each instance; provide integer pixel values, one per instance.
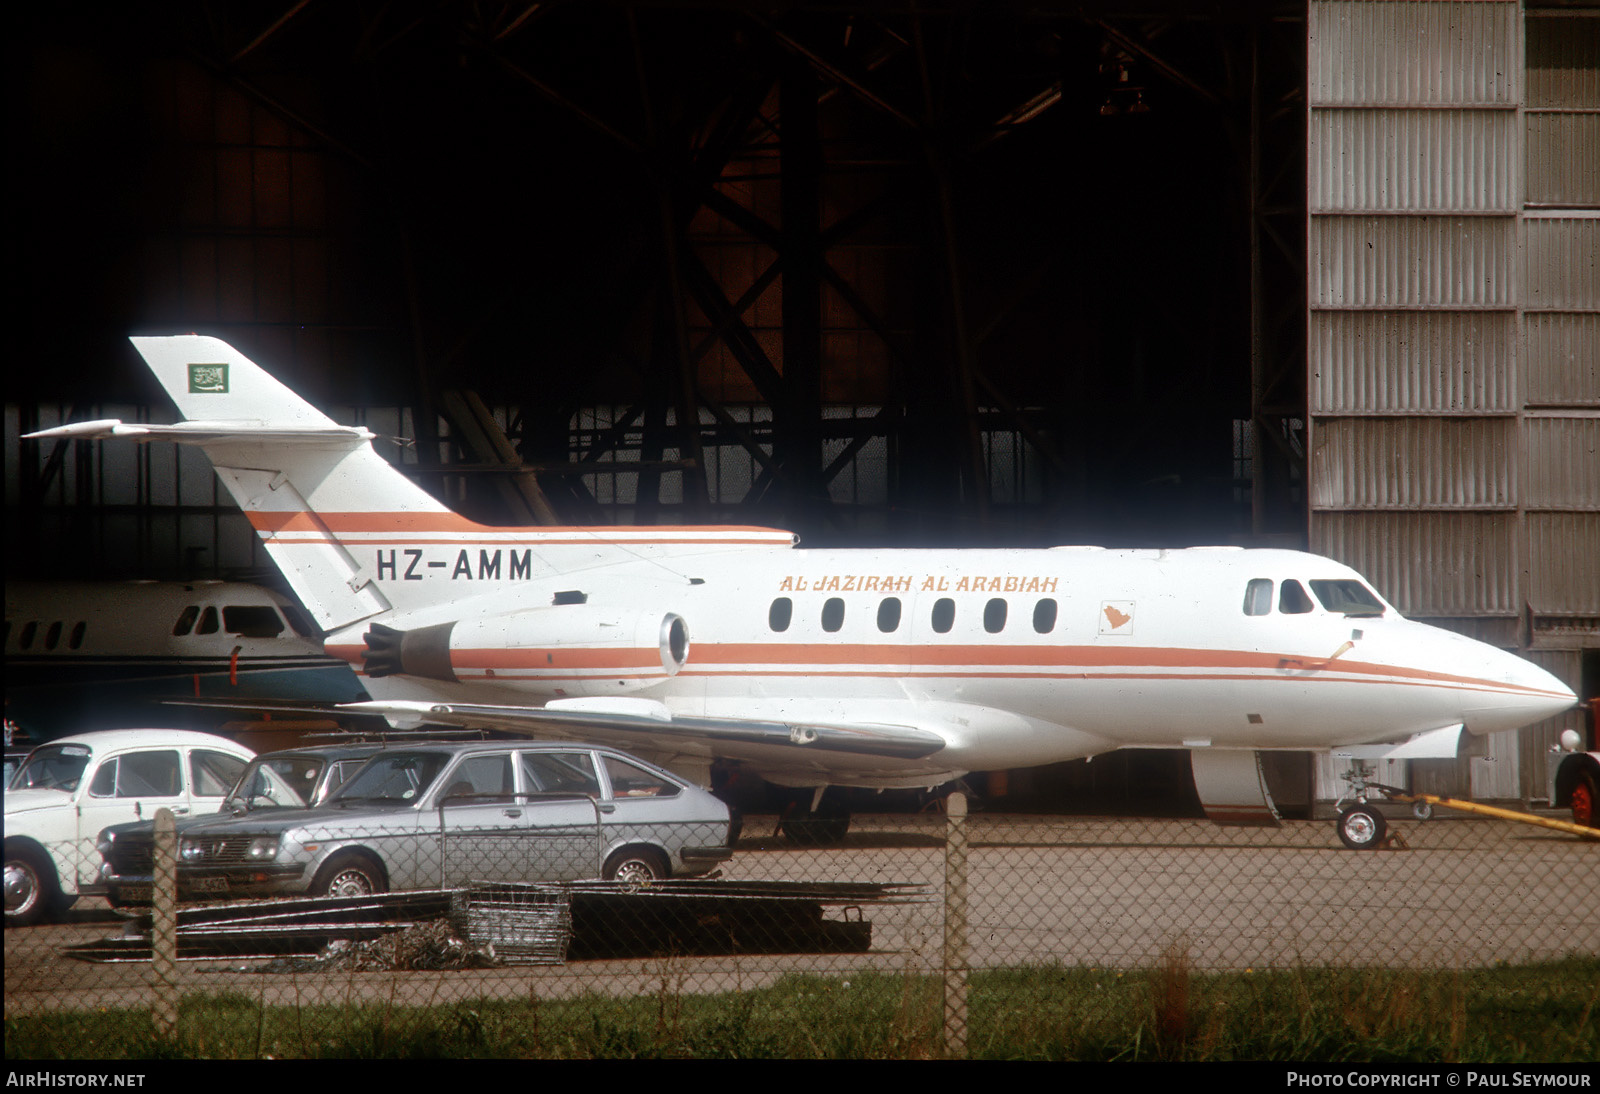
(565, 649)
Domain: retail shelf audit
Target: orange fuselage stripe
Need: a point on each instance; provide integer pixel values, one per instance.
(1004, 662)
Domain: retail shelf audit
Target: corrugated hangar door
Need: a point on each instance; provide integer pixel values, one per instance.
(1453, 335)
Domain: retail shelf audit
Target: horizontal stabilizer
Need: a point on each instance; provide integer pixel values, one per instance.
(201, 432)
(900, 742)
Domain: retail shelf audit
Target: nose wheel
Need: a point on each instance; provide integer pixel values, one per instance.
(1362, 827)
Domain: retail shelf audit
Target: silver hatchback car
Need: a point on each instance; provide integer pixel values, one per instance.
(442, 815)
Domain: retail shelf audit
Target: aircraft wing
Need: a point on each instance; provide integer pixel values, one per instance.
(642, 718)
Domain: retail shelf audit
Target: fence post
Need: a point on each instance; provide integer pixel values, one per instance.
(955, 927)
(164, 924)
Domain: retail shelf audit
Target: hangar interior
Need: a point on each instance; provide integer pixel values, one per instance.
(1318, 275)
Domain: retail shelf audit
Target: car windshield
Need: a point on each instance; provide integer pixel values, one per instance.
(1349, 597)
(396, 778)
(52, 767)
(283, 782)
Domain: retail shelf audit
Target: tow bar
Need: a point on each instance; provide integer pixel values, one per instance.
(1394, 794)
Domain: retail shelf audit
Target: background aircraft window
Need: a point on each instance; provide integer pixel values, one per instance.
(301, 622)
(1349, 597)
(75, 640)
(944, 615)
(52, 636)
(781, 612)
(1258, 597)
(994, 616)
(833, 614)
(1293, 600)
(25, 639)
(1044, 616)
(185, 622)
(252, 622)
(889, 614)
(208, 622)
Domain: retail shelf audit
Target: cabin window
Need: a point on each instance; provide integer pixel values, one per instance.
(1293, 600)
(52, 636)
(944, 615)
(25, 639)
(1258, 597)
(994, 616)
(185, 622)
(208, 622)
(780, 614)
(832, 614)
(889, 615)
(1044, 616)
(1348, 597)
(252, 622)
(75, 639)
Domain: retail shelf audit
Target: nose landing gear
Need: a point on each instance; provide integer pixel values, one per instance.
(1361, 827)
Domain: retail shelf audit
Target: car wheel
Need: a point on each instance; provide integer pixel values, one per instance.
(636, 866)
(1585, 807)
(1361, 827)
(348, 874)
(31, 886)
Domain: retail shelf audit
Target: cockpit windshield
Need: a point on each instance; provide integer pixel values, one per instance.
(1347, 597)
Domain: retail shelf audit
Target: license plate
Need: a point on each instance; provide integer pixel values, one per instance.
(209, 885)
(134, 894)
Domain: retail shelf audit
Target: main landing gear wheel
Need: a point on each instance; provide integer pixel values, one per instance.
(1361, 827)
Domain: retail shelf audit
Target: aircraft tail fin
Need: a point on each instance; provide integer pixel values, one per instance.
(210, 381)
(311, 488)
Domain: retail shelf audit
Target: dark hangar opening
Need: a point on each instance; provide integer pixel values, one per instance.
(915, 275)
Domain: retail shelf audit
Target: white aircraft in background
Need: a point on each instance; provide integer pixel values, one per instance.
(81, 655)
(860, 668)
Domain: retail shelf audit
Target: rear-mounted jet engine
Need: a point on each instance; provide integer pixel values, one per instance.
(567, 649)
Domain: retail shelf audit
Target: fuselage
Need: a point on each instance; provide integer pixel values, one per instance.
(1017, 657)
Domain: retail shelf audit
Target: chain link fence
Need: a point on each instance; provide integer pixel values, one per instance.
(916, 908)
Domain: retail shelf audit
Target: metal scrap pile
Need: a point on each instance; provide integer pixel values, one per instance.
(431, 945)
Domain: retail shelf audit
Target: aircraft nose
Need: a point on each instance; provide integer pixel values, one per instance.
(1525, 694)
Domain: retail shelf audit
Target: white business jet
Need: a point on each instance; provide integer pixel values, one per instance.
(817, 668)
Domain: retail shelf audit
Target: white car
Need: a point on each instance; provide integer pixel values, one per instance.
(69, 790)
